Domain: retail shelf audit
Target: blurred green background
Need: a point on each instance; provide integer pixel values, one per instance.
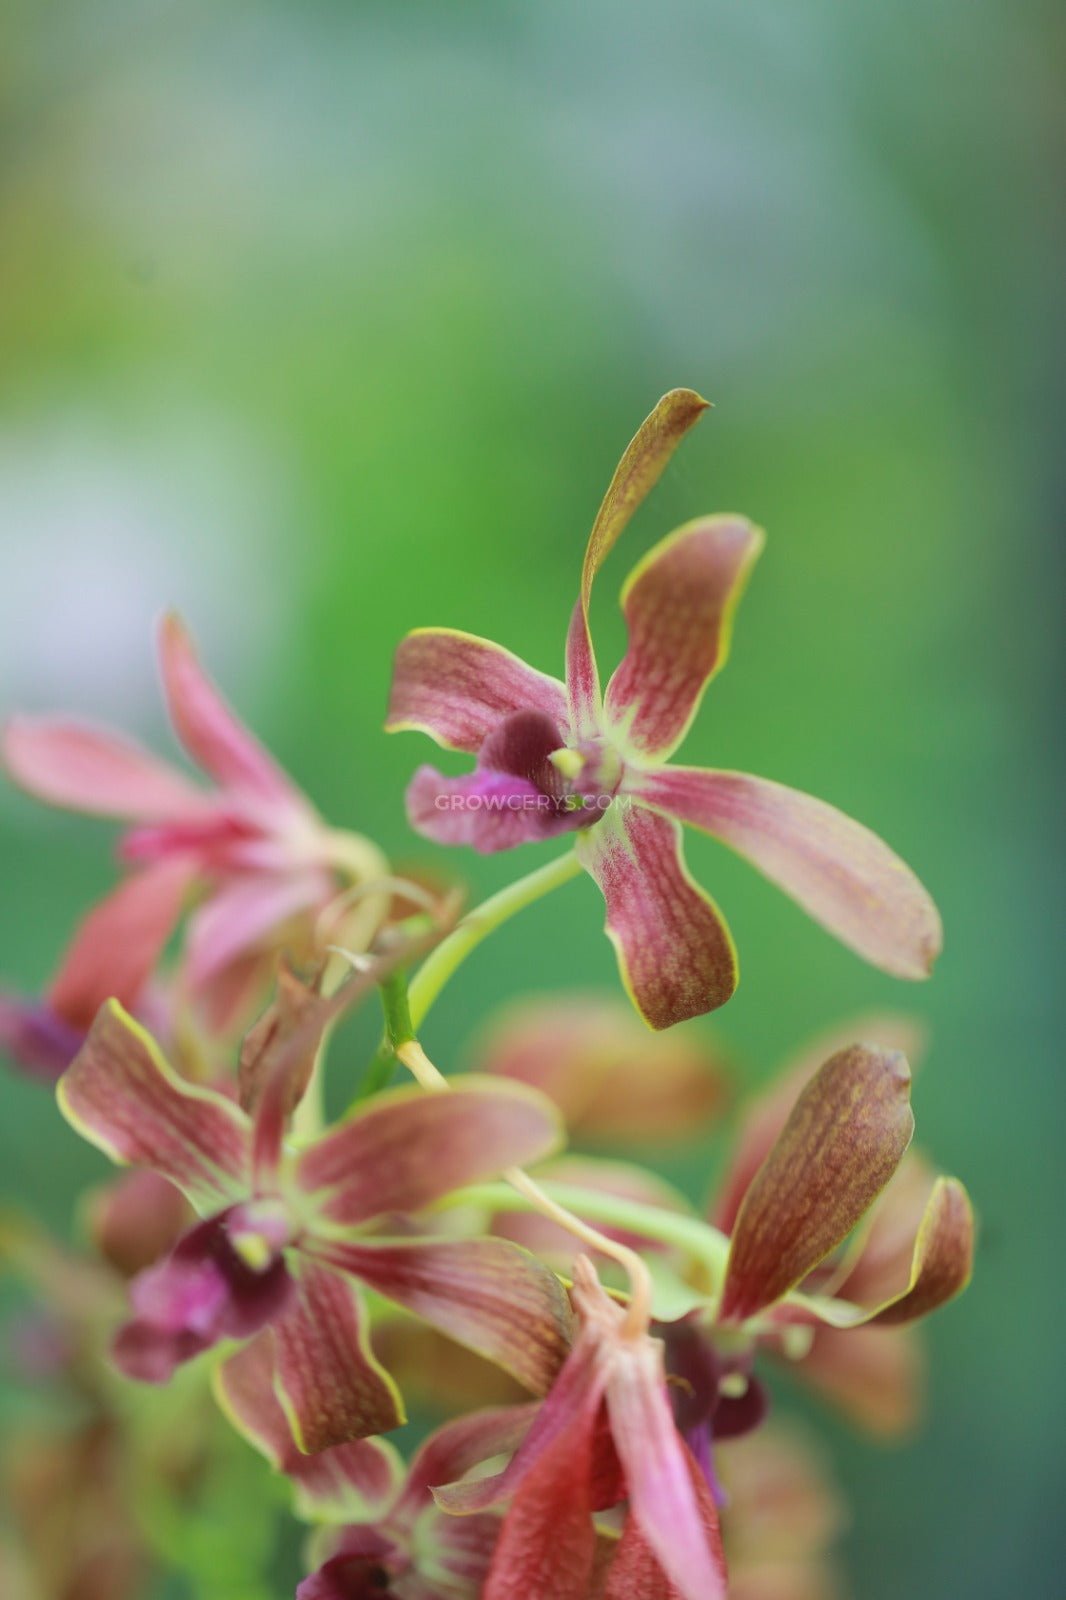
(321, 321)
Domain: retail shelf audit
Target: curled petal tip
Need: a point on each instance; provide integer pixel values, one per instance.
(845, 1137)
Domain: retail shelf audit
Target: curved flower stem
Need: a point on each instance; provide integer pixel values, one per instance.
(638, 1313)
(468, 933)
(699, 1239)
(405, 1008)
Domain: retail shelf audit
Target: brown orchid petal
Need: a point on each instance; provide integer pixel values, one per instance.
(327, 1378)
(486, 1293)
(121, 1094)
(458, 688)
(292, 1008)
(640, 468)
(613, 1081)
(678, 603)
(943, 1256)
(351, 1482)
(407, 1148)
(675, 954)
(765, 1115)
(844, 1139)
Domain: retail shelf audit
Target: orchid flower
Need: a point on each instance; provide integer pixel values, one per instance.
(287, 1234)
(554, 757)
(605, 1433)
(874, 1373)
(843, 1141)
(253, 845)
(380, 1527)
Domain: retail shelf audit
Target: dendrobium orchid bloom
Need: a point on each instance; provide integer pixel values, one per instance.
(604, 1434)
(383, 1531)
(874, 1373)
(254, 845)
(843, 1141)
(287, 1233)
(554, 756)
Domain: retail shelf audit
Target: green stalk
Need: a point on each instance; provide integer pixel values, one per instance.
(406, 1007)
(468, 933)
(698, 1238)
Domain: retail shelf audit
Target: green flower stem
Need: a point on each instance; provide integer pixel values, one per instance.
(468, 933)
(699, 1239)
(398, 1030)
(406, 1007)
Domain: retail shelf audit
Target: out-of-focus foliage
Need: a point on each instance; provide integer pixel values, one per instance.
(324, 321)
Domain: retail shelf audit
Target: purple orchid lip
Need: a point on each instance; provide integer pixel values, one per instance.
(204, 1291)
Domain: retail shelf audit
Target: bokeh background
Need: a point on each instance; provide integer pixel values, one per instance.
(325, 320)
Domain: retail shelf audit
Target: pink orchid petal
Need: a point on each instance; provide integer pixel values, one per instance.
(485, 1293)
(243, 913)
(458, 688)
(351, 1482)
(678, 1523)
(640, 468)
(489, 811)
(845, 1137)
(214, 737)
(327, 1378)
(458, 1447)
(83, 768)
(120, 1093)
(636, 1572)
(573, 1401)
(840, 873)
(118, 945)
(674, 950)
(547, 1545)
(407, 1148)
(679, 604)
(463, 1549)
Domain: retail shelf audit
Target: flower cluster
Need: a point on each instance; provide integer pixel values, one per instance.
(596, 1351)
